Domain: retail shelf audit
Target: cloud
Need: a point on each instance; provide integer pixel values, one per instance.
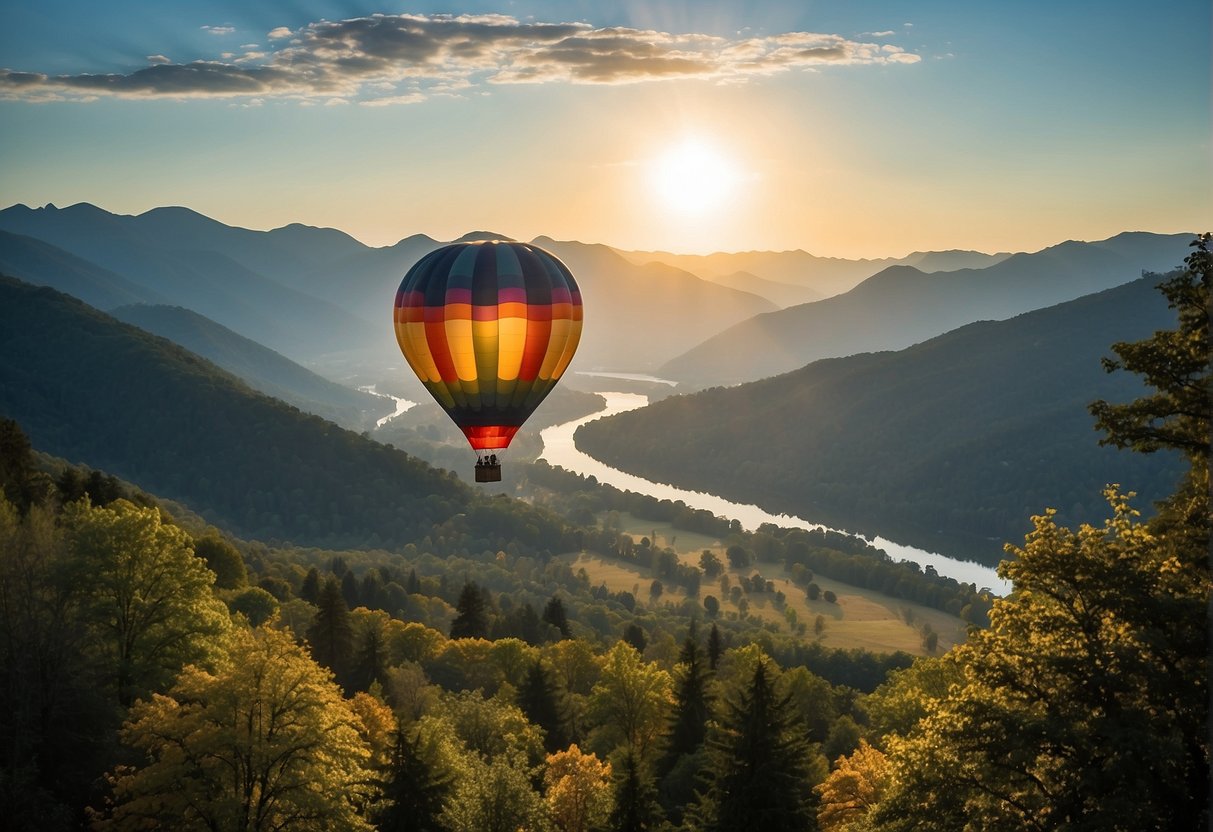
(886, 34)
(402, 59)
(158, 59)
(218, 30)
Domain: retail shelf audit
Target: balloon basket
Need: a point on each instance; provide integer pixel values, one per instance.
(488, 473)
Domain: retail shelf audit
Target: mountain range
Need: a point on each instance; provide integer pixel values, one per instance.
(950, 445)
(903, 305)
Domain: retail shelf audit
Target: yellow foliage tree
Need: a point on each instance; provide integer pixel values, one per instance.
(852, 789)
(578, 790)
(264, 743)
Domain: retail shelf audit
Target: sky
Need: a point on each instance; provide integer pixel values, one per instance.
(846, 128)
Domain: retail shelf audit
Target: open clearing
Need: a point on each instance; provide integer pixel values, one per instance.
(860, 618)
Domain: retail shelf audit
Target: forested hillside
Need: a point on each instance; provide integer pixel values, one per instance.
(951, 444)
(260, 367)
(120, 399)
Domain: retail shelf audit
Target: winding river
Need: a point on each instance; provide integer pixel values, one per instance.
(560, 449)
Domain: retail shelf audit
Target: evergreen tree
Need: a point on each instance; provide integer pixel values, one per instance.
(413, 585)
(635, 807)
(331, 635)
(349, 590)
(688, 724)
(310, 590)
(415, 792)
(759, 777)
(471, 613)
(634, 635)
(555, 615)
(715, 647)
(539, 699)
(371, 659)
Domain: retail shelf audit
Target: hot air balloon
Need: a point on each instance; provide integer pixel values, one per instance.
(488, 327)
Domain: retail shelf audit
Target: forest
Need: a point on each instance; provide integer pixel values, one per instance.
(157, 671)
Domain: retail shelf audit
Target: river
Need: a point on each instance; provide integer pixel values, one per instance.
(401, 404)
(560, 449)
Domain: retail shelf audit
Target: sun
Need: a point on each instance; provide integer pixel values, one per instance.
(694, 178)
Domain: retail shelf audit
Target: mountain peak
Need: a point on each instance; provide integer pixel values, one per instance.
(482, 236)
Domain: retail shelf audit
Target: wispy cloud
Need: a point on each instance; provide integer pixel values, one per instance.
(218, 30)
(403, 59)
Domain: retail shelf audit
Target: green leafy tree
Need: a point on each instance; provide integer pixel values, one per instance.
(1083, 705)
(255, 604)
(331, 635)
(759, 777)
(471, 613)
(634, 635)
(223, 559)
(631, 701)
(496, 795)
(264, 743)
(149, 600)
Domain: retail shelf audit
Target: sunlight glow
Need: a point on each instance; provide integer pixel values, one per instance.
(694, 178)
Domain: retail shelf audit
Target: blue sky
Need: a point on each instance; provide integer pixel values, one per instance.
(844, 128)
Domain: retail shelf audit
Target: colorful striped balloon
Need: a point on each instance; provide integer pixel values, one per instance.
(488, 327)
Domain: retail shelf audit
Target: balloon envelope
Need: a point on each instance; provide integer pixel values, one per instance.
(489, 328)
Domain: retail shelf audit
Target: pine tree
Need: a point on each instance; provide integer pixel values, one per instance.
(555, 615)
(759, 777)
(413, 585)
(331, 635)
(371, 660)
(688, 725)
(349, 590)
(635, 808)
(471, 613)
(310, 590)
(715, 647)
(415, 792)
(539, 699)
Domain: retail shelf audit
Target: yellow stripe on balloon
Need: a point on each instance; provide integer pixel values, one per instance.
(570, 347)
(511, 341)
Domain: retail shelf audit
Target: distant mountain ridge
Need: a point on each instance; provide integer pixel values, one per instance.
(317, 294)
(902, 305)
(949, 445)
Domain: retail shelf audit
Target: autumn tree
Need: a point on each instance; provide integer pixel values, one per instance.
(852, 790)
(578, 789)
(149, 600)
(264, 743)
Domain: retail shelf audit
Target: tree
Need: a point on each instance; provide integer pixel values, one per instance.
(540, 701)
(349, 590)
(331, 635)
(495, 795)
(630, 701)
(737, 556)
(635, 806)
(715, 647)
(759, 777)
(416, 790)
(149, 599)
(223, 559)
(710, 564)
(310, 589)
(578, 787)
(554, 614)
(711, 605)
(263, 743)
(371, 659)
(680, 766)
(852, 790)
(471, 613)
(634, 635)
(1082, 706)
(255, 604)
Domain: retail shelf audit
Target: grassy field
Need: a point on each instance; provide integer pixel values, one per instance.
(860, 618)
